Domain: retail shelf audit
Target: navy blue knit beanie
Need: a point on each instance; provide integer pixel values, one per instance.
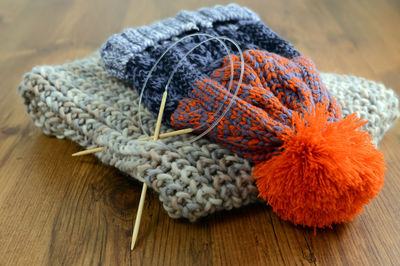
(131, 54)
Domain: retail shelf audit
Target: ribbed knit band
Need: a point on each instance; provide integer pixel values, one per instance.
(121, 48)
(131, 54)
(81, 102)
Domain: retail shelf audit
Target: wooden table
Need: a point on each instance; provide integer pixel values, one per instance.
(55, 209)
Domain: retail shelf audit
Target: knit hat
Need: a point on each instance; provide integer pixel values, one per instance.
(131, 54)
(81, 102)
(312, 166)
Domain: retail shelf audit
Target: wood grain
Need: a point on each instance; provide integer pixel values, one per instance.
(60, 210)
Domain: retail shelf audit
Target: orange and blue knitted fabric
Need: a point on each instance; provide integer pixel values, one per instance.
(273, 88)
(312, 166)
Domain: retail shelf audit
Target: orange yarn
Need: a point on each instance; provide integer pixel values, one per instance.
(324, 173)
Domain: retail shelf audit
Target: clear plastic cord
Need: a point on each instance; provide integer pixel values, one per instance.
(211, 37)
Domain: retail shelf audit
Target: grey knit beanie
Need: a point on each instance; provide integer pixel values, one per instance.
(80, 101)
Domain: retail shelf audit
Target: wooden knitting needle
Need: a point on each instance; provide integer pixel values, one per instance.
(156, 136)
(144, 188)
(161, 136)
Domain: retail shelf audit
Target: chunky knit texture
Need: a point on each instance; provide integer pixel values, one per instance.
(312, 166)
(273, 89)
(131, 54)
(81, 102)
(266, 123)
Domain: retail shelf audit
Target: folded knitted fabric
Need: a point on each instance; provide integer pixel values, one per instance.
(81, 102)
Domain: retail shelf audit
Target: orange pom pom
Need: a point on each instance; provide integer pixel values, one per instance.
(325, 173)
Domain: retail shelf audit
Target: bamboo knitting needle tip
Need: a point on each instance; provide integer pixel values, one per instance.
(99, 149)
(138, 216)
(161, 136)
(144, 188)
(160, 115)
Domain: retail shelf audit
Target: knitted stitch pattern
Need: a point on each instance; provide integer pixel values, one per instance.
(273, 89)
(81, 102)
(131, 54)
